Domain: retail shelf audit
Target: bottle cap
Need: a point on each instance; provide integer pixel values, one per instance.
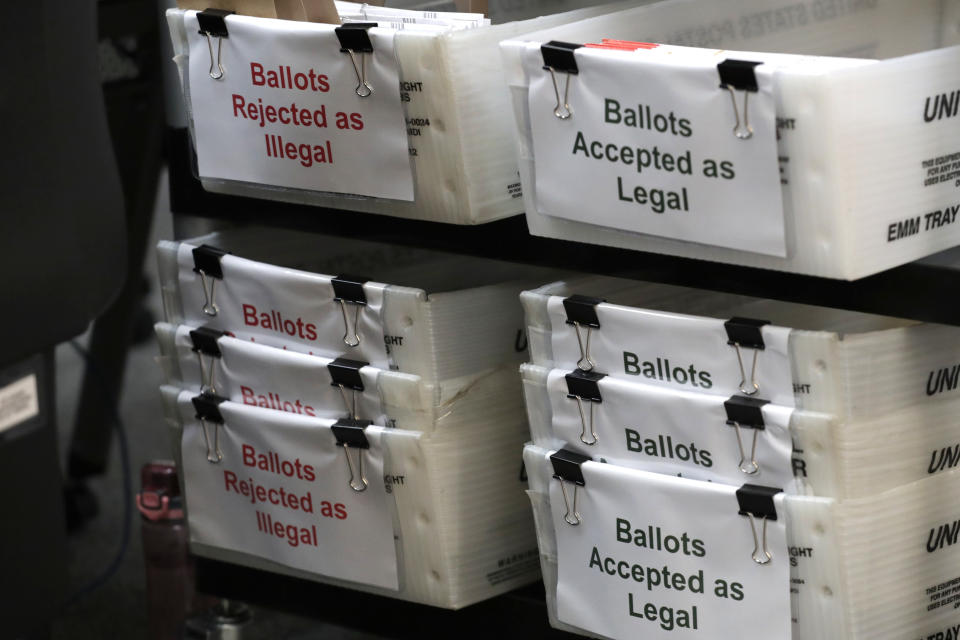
(159, 497)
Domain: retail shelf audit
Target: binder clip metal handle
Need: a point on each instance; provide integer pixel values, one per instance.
(351, 337)
(746, 333)
(358, 482)
(350, 435)
(582, 312)
(364, 90)
(210, 307)
(746, 412)
(558, 57)
(746, 132)
(583, 421)
(739, 75)
(572, 516)
(206, 263)
(345, 376)
(584, 386)
(761, 554)
(207, 375)
(219, 74)
(565, 112)
(753, 467)
(585, 363)
(567, 468)
(756, 501)
(213, 24)
(205, 343)
(349, 290)
(754, 385)
(208, 413)
(355, 39)
(349, 403)
(214, 455)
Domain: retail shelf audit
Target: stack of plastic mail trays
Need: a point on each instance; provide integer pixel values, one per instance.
(345, 430)
(393, 111)
(714, 466)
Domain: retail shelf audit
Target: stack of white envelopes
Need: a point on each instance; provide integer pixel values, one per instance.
(714, 465)
(346, 430)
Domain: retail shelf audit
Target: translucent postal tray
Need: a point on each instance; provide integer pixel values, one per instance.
(459, 512)
(197, 359)
(847, 364)
(862, 568)
(459, 316)
(867, 152)
(460, 137)
(831, 457)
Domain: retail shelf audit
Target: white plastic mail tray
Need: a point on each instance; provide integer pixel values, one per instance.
(459, 316)
(458, 123)
(868, 153)
(848, 364)
(832, 457)
(463, 526)
(874, 568)
(199, 358)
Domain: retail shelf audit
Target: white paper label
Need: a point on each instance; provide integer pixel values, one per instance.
(19, 401)
(651, 143)
(262, 376)
(285, 308)
(286, 111)
(282, 493)
(673, 350)
(663, 557)
(677, 433)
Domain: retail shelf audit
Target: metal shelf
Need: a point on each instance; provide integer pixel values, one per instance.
(917, 291)
(520, 613)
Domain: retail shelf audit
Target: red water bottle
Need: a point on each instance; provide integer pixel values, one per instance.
(171, 594)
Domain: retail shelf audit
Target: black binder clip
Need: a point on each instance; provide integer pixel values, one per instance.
(582, 312)
(355, 39)
(207, 406)
(567, 468)
(558, 56)
(206, 262)
(746, 333)
(585, 386)
(757, 502)
(746, 412)
(213, 22)
(739, 75)
(205, 343)
(345, 375)
(350, 435)
(349, 290)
